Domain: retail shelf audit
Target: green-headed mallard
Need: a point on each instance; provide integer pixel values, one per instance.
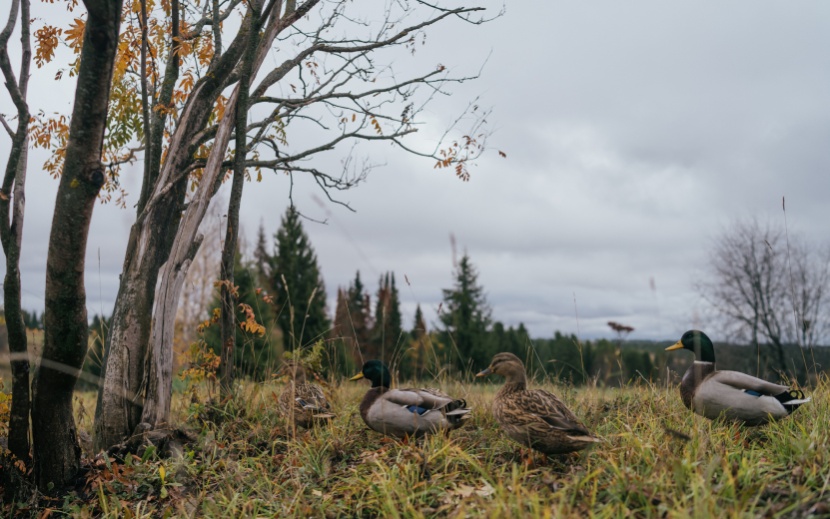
(730, 394)
(535, 418)
(301, 402)
(407, 412)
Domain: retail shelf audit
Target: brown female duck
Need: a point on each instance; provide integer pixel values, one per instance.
(301, 402)
(534, 418)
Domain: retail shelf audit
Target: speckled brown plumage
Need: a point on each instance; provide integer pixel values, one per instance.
(301, 402)
(534, 418)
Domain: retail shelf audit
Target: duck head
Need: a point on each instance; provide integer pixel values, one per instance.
(376, 372)
(507, 365)
(698, 343)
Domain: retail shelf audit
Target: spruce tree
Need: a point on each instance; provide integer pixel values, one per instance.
(416, 358)
(343, 357)
(387, 330)
(360, 317)
(297, 285)
(419, 325)
(465, 315)
(262, 259)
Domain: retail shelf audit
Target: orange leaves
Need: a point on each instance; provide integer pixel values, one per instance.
(51, 132)
(459, 154)
(187, 82)
(41, 130)
(248, 320)
(221, 104)
(48, 37)
(249, 324)
(312, 69)
(185, 47)
(126, 58)
(205, 52)
(46, 40)
(75, 35)
(185, 86)
(376, 125)
(224, 283)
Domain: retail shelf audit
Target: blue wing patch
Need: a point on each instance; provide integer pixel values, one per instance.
(751, 392)
(416, 409)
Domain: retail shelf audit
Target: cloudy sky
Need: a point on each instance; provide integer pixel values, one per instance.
(635, 132)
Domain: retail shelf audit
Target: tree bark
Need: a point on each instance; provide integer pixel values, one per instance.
(18, 344)
(159, 367)
(228, 320)
(228, 316)
(121, 396)
(56, 449)
(11, 235)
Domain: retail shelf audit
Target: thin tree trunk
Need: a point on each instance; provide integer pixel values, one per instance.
(228, 320)
(11, 235)
(56, 449)
(18, 344)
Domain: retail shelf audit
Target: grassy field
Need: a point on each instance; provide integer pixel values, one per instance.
(656, 460)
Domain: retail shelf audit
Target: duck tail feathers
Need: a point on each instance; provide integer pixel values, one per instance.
(459, 404)
(584, 438)
(792, 399)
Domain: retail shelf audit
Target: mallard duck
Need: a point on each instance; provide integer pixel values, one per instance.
(301, 402)
(730, 394)
(534, 418)
(407, 412)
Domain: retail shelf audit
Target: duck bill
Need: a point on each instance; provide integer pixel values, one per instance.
(483, 373)
(676, 346)
(357, 377)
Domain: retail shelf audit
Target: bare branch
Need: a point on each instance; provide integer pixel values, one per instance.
(6, 126)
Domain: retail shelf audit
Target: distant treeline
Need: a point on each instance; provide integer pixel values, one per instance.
(563, 358)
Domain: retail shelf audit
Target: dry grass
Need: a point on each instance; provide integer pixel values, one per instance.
(657, 460)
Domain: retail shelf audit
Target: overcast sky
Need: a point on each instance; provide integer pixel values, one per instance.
(635, 132)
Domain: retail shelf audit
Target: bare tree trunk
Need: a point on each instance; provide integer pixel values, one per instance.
(228, 320)
(158, 413)
(56, 449)
(159, 367)
(11, 235)
(121, 396)
(18, 344)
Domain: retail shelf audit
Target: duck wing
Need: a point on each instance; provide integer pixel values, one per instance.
(310, 397)
(546, 410)
(745, 382)
(425, 399)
